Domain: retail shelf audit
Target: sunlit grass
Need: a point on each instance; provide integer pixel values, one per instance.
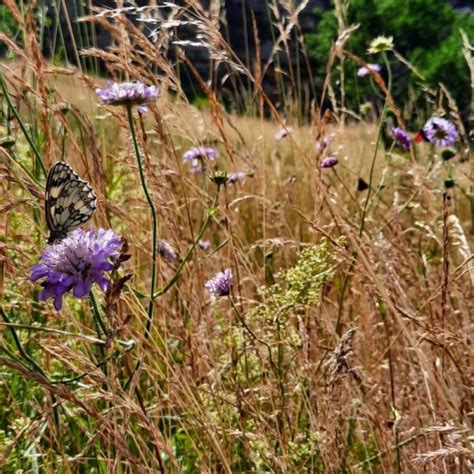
(343, 345)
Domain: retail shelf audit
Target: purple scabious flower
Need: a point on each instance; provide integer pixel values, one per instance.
(441, 132)
(401, 137)
(198, 166)
(166, 250)
(232, 178)
(329, 162)
(220, 284)
(197, 156)
(202, 152)
(76, 263)
(364, 70)
(128, 94)
(283, 133)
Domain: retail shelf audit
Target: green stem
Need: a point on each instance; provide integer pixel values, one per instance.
(154, 223)
(176, 276)
(253, 335)
(189, 254)
(36, 152)
(377, 143)
(100, 323)
(345, 283)
(19, 345)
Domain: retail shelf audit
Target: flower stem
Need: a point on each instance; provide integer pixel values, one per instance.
(154, 223)
(345, 283)
(377, 143)
(211, 211)
(19, 345)
(97, 316)
(34, 148)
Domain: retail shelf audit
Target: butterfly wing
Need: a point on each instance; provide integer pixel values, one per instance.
(69, 201)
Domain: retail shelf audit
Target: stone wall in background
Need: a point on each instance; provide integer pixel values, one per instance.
(238, 15)
(237, 29)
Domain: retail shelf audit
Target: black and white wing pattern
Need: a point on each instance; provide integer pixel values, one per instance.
(69, 201)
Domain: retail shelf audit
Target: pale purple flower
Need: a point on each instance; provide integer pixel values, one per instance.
(370, 68)
(283, 132)
(205, 245)
(329, 162)
(76, 263)
(440, 132)
(198, 166)
(232, 178)
(323, 144)
(220, 284)
(166, 250)
(401, 137)
(197, 156)
(127, 94)
(203, 152)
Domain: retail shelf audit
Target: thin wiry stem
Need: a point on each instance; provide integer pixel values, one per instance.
(154, 223)
(97, 316)
(377, 143)
(12, 108)
(19, 345)
(365, 209)
(190, 252)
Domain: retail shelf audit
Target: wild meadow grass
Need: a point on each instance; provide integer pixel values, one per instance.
(312, 313)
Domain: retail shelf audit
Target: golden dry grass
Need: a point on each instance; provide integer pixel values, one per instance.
(372, 375)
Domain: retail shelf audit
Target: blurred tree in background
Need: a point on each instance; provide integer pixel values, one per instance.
(426, 32)
(7, 25)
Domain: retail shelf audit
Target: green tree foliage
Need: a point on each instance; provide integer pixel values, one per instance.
(8, 26)
(426, 32)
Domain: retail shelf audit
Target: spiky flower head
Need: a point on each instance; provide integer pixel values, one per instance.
(221, 284)
(219, 178)
(379, 44)
(127, 94)
(76, 263)
(370, 68)
(440, 132)
(401, 137)
(329, 162)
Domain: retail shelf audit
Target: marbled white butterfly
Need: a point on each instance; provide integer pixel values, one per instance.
(69, 201)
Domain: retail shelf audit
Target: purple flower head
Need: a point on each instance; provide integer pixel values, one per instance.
(128, 94)
(401, 137)
(198, 166)
(205, 245)
(232, 178)
(166, 250)
(329, 162)
(441, 132)
(201, 152)
(198, 155)
(370, 68)
(76, 263)
(220, 284)
(283, 133)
